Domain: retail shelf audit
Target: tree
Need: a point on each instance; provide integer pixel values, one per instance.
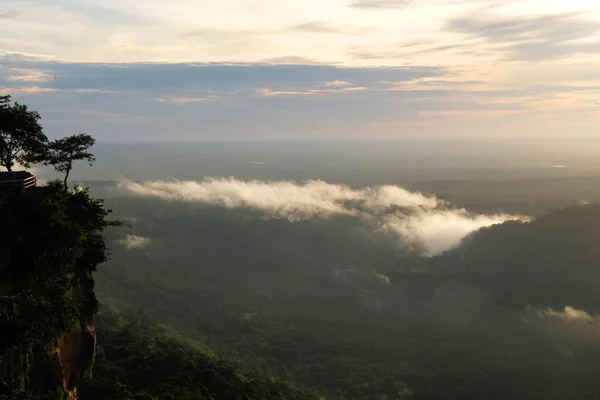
(22, 140)
(63, 152)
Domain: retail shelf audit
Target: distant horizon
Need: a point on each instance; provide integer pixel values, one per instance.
(358, 140)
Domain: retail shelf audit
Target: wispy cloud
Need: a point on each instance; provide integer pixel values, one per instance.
(336, 84)
(471, 114)
(5, 14)
(385, 4)
(294, 99)
(28, 75)
(182, 100)
(569, 321)
(135, 242)
(568, 314)
(316, 27)
(266, 92)
(88, 90)
(16, 90)
(424, 221)
(533, 38)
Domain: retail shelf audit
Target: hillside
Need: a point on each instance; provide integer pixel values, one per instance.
(138, 359)
(552, 261)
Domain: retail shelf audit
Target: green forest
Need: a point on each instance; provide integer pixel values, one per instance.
(139, 359)
(484, 320)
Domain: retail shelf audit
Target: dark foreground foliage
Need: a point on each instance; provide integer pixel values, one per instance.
(51, 241)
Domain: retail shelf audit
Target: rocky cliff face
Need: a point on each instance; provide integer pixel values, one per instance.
(50, 370)
(54, 368)
(74, 357)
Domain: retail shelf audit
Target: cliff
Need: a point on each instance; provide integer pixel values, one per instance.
(55, 370)
(51, 242)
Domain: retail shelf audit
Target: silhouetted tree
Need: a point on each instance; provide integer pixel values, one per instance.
(63, 152)
(21, 137)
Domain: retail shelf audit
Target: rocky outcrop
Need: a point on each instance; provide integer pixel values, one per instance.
(60, 366)
(75, 357)
(54, 368)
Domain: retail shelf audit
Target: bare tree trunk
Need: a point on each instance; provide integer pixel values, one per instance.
(7, 163)
(8, 159)
(67, 177)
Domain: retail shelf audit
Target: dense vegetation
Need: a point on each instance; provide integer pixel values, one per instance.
(138, 359)
(550, 263)
(308, 303)
(49, 237)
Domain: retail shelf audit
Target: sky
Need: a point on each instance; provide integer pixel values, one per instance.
(133, 70)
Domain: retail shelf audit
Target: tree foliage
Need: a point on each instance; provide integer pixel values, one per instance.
(138, 359)
(51, 241)
(62, 153)
(22, 140)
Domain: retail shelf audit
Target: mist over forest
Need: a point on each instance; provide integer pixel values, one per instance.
(432, 290)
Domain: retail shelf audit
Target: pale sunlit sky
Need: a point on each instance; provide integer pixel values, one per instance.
(311, 69)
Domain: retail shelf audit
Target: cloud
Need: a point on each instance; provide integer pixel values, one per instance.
(384, 197)
(336, 84)
(279, 199)
(471, 114)
(386, 4)
(290, 60)
(110, 16)
(569, 314)
(331, 89)
(101, 91)
(424, 221)
(9, 11)
(163, 80)
(316, 27)
(182, 100)
(533, 38)
(28, 75)
(9, 14)
(293, 101)
(135, 242)
(440, 230)
(569, 322)
(27, 90)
